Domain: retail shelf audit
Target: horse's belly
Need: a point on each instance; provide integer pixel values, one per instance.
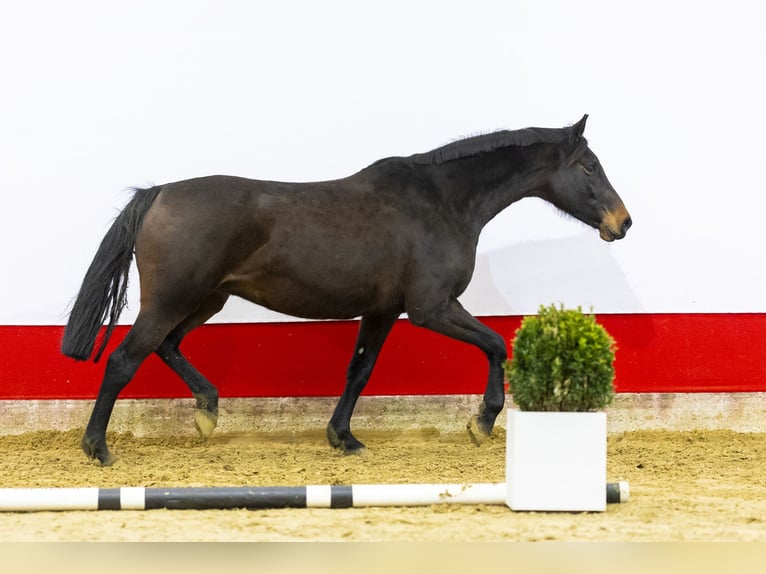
(336, 299)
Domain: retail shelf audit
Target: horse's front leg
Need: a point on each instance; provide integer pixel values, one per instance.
(373, 331)
(455, 322)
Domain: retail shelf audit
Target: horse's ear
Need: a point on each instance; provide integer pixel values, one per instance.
(575, 137)
(579, 128)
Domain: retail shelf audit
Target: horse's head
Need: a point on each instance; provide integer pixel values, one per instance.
(580, 188)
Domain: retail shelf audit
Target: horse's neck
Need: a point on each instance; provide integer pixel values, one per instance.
(484, 186)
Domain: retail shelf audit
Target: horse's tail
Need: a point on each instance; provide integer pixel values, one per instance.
(104, 289)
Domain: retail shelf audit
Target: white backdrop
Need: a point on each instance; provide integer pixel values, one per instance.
(100, 96)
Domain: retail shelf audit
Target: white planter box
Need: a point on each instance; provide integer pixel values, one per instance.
(556, 461)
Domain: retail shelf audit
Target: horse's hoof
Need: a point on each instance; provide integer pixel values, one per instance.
(354, 447)
(347, 444)
(477, 431)
(205, 422)
(108, 459)
(100, 453)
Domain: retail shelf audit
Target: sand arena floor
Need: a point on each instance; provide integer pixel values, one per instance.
(692, 485)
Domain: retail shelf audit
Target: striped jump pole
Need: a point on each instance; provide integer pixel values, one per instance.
(316, 496)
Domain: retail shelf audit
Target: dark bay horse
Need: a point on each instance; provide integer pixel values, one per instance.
(397, 237)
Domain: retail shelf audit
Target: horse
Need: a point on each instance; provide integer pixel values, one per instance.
(398, 237)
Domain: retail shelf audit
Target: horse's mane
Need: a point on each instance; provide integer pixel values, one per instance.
(479, 144)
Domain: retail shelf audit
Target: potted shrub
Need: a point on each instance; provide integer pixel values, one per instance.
(561, 376)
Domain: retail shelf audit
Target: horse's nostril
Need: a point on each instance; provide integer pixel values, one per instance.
(626, 224)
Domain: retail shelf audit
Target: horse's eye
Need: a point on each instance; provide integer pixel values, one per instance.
(588, 169)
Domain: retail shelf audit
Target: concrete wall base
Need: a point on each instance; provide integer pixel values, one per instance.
(742, 412)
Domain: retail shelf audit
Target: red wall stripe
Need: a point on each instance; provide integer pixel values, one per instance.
(656, 353)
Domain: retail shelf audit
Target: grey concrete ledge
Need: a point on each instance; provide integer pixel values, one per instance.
(741, 412)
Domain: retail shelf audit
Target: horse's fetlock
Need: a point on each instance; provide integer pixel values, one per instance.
(332, 436)
(88, 447)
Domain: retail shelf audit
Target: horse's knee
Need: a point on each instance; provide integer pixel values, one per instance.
(497, 352)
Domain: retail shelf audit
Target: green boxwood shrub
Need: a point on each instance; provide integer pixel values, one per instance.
(562, 361)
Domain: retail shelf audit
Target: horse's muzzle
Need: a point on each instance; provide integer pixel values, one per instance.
(615, 225)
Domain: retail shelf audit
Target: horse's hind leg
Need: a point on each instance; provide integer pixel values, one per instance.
(143, 338)
(455, 322)
(205, 393)
(373, 331)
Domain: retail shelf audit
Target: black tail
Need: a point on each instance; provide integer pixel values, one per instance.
(104, 290)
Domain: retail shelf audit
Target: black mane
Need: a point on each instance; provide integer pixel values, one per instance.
(476, 145)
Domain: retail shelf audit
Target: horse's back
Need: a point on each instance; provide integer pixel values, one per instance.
(317, 250)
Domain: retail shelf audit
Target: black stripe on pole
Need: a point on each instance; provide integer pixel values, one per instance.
(109, 499)
(613, 494)
(342, 497)
(225, 498)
